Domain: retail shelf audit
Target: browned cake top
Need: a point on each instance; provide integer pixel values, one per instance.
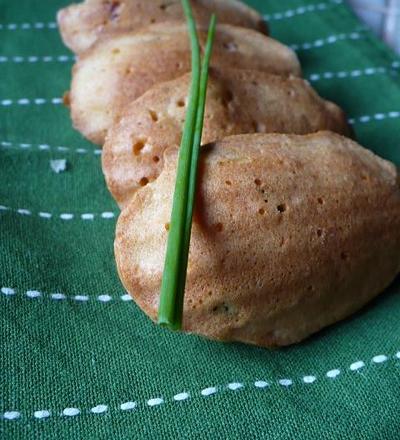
(238, 101)
(290, 233)
(83, 23)
(117, 70)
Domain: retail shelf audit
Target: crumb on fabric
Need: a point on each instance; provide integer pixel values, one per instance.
(58, 165)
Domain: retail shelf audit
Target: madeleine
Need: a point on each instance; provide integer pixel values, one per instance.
(291, 233)
(117, 70)
(238, 101)
(83, 23)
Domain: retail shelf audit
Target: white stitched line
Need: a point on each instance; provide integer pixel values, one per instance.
(285, 382)
(379, 359)
(181, 396)
(34, 294)
(42, 414)
(208, 391)
(357, 366)
(205, 393)
(71, 412)
(375, 117)
(333, 373)
(261, 384)
(309, 379)
(302, 10)
(107, 215)
(127, 406)
(11, 415)
(235, 386)
(99, 409)
(155, 402)
(368, 71)
(27, 26)
(328, 40)
(26, 101)
(45, 147)
(37, 59)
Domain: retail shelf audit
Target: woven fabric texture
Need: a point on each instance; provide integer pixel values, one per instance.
(79, 360)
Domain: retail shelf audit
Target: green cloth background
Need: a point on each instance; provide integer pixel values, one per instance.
(69, 338)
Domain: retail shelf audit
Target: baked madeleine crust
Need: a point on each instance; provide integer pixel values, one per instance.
(290, 234)
(238, 101)
(117, 70)
(82, 24)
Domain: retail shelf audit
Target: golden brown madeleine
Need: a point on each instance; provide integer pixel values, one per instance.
(238, 101)
(83, 23)
(117, 70)
(291, 233)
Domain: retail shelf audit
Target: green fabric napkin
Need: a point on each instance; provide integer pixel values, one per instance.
(81, 361)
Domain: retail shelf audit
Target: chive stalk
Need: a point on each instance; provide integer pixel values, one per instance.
(176, 260)
(196, 151)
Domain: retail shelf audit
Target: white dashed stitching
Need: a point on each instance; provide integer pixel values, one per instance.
(27, 26)
(18, 59)
(357, 73)
(59, 297)
(301, 10)
(205, 393)
(107, 215)
(328, 40)
(26, 101)
(46, 147)
(375, 117)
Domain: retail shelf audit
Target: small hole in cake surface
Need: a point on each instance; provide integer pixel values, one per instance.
(115, 9)
(228, 182)
(138, 147)
(261, 211)
(229, 96)
(219, 227)
(319, 232)
(281, 207)
(257, 182)
(224, 308)
(153, 115)
(181, 103)
(143, 181)
(260, 127)
(166, 226)
(156, 159)
(320, 200)
(230, 46)
(152, 20)
(344, 256)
